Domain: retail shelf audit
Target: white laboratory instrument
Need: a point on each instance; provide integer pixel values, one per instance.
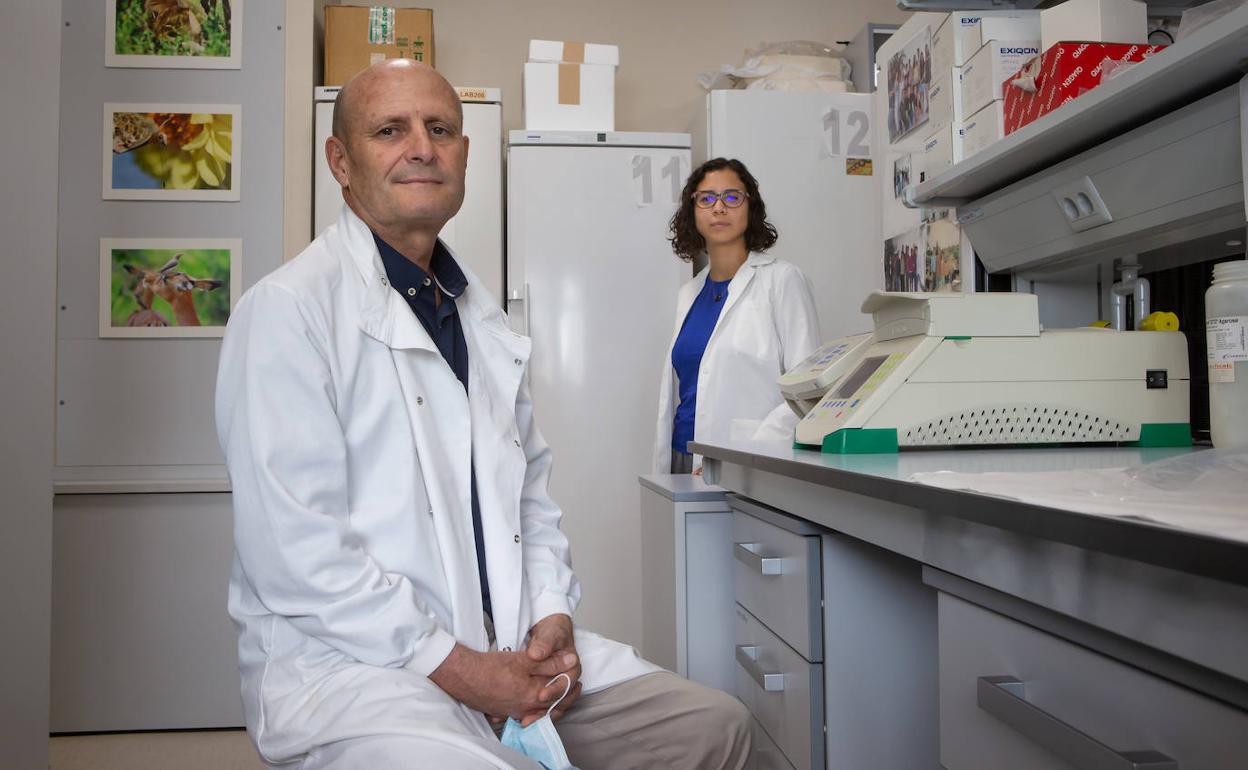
(817, 170)
(804, 385)
(592, 280)
(975, 369)
(476, 232)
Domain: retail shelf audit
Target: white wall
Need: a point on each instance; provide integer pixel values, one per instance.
(30, 62)
(664, 44)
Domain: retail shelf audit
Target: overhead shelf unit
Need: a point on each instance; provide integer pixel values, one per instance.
(1141, 165)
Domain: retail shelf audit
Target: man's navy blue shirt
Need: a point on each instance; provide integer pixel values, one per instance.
(444, 326)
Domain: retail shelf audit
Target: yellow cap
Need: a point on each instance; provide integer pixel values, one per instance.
(1160, 321)
(1100, 324)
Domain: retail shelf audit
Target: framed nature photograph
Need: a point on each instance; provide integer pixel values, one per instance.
(178, 152)
(168, 287)
(185, 34)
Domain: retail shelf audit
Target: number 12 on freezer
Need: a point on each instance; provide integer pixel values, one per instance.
(852, 128)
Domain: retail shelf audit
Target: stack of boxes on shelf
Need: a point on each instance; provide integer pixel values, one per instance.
(1084, 41)
(972, 54)
(570, 86)
(994, 72)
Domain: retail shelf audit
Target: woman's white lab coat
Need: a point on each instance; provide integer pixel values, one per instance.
(349, 442)
(768, 325)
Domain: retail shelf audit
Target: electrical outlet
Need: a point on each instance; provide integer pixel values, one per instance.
(1081, 204)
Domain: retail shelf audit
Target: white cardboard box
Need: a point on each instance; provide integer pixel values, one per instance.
(581, 53)
(983, 75)
(940, 151)
(944, 99)
(984, 128)
(1095, 21)
(944, 37)
(975, 28)
(562, 96)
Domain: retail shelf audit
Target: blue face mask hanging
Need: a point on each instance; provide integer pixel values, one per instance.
(540, 741)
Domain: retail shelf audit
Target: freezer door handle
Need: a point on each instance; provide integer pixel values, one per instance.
(1005, 698)
(521, 297)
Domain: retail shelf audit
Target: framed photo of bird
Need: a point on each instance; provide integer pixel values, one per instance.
(168, 287)
(176, 34)
(181, 152)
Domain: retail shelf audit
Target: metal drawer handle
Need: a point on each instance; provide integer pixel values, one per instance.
(1004, 698)
(747, 658)
(763, 565)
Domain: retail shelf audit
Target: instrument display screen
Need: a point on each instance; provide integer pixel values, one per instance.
(854, 381)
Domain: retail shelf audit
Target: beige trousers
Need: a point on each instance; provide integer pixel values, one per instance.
(654, 722)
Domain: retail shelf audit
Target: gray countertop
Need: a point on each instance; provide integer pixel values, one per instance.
(682, 487)
(886, 477)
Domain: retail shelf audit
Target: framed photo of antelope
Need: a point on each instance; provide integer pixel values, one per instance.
(159, 287)
(176, 34)
(176, 152)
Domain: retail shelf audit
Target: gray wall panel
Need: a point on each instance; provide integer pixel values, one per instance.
(86, 84)
(140, 635)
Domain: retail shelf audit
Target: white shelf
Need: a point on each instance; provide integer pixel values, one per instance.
(1212, 58)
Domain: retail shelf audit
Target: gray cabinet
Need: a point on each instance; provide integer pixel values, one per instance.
(686, 578)
(778, 637)
(1013, 695)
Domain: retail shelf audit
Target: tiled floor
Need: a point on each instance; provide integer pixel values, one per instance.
(211, 750)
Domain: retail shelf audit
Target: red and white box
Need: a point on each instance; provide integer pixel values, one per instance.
(1060, 75)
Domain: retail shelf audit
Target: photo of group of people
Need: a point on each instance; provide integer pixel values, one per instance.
(909, 74)
(901, 175)
(927, 258)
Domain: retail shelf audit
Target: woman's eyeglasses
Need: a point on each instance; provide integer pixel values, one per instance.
(706, 199)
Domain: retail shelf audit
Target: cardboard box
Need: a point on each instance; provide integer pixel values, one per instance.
(984, 74)
(567, 96)
(983, 129)
(1061, 74)
(357, 36)
(944, 36)
(973, 29)
(1095, 21)
(944, 100)
(580, 53)
(940, 151)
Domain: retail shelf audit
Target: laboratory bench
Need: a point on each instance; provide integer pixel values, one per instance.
(871, 621)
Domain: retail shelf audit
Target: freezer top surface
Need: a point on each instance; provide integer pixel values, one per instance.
(519, 138)
(467, 94)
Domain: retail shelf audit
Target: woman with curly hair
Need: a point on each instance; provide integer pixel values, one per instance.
(741, 322)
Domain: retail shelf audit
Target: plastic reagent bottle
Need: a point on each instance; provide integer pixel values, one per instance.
(1226, 329)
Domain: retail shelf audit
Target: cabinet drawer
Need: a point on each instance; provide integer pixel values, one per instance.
(764, 753)
(1063, 705)
(776, 577)
(782, 689)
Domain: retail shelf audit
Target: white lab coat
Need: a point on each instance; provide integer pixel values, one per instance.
(768, 325)
(349, 441)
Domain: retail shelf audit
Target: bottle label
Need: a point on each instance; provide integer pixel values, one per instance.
(1227, 338)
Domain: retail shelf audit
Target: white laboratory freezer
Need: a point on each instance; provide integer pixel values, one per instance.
(476, 232)
(813, 158)
(592, 279)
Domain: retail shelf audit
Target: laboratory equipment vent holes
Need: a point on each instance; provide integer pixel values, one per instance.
(1016, 425)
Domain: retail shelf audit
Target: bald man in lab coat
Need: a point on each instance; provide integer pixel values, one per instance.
(400, 582)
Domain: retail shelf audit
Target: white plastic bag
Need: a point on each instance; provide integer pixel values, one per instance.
(799, 65)
(1204, 15)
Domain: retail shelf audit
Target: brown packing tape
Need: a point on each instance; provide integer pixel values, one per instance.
(569, 83)
(574, 52)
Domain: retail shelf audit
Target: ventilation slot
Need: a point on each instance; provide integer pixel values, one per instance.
(1016, 425)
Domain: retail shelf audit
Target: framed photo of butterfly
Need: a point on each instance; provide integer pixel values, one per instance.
(175, 34)
(176, 152)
